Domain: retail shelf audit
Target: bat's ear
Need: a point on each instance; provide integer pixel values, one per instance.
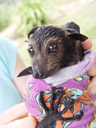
(72, 27)
(77, 36)
(25, 72)
(32, 31)
(74, 32)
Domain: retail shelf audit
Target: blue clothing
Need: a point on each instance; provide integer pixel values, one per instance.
(9, 94)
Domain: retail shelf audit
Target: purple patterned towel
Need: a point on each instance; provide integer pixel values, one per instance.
(70, 79)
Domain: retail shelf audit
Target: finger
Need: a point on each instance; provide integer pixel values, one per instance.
(87, 44)
(28, 122)
(92, 71)
(16, 112)
(92, 85)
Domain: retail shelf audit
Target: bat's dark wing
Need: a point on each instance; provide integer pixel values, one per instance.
(25, 72)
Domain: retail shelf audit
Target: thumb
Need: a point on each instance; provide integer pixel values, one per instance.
(87, 44)
(16, 112)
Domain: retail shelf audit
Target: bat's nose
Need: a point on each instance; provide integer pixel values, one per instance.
(38, 74)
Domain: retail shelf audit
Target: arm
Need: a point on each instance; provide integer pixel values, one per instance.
(17, 116)
(21, 81)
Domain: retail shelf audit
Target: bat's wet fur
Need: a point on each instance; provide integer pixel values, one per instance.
(54, 47)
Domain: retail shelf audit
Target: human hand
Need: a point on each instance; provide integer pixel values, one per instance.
(92, 72)
(17, 117)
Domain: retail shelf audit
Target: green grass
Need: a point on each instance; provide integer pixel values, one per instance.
(29, 14)
(5, 16)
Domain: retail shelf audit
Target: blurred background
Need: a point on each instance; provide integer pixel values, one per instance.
(17, 17)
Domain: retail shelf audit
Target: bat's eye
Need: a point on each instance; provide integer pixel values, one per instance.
(31, 50)
(52, 47)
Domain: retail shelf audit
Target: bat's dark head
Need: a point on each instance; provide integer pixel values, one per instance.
(53, 48)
